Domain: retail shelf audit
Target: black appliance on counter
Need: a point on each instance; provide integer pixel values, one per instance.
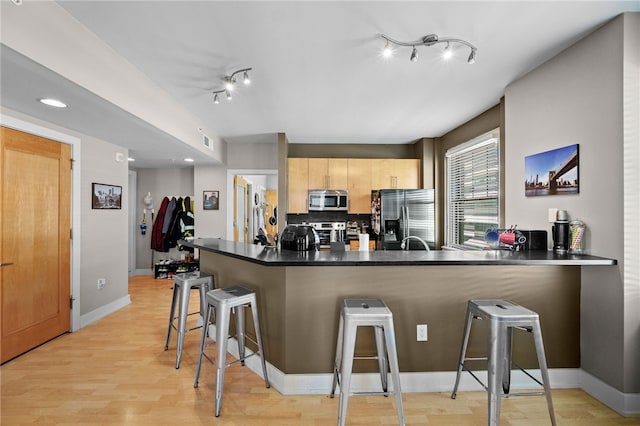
(299, 238)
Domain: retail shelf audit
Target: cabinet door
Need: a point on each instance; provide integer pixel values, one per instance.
(337, 170)
(395, 174)
(318, 178)
(328, 173)
(407, 173)
(298, 188)
(382, 174)
(359, 179)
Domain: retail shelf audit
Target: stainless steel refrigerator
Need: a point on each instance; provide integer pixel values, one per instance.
(399, 213)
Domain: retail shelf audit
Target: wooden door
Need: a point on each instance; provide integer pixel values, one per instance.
(240, 209)
(35, 222)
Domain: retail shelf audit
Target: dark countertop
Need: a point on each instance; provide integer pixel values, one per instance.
(275, 257)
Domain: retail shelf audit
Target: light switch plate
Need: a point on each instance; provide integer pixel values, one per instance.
(552, 215)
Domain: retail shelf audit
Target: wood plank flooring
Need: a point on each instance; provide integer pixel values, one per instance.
(116, 372)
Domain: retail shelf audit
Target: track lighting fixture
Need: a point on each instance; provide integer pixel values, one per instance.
(229, 84)
(430, 40)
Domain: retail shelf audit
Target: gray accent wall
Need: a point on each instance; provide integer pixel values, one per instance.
(588, 95)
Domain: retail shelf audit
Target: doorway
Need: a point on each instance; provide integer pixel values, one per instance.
(35, 218)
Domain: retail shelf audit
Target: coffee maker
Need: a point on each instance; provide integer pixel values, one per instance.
(560, 232)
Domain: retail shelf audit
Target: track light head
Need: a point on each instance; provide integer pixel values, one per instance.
(246, 80)
(387, 52)
(447, 53)
(228, 92)
(472, 57)
(228, 83)
(414, 55)
(215, 99)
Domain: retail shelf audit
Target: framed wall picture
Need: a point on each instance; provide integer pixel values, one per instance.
(552, 172)
(105, 196)
(210, 200)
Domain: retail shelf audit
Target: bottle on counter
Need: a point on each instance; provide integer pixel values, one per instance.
(576, 236)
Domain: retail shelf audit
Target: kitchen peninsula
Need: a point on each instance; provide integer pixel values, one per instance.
(299, 295)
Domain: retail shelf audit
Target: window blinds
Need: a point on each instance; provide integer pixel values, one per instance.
(473, 171)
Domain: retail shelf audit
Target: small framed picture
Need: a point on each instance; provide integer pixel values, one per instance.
(552, 172)
(105, 196)
(210, 200)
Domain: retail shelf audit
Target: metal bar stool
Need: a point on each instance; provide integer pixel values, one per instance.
(182, 286)
(503, 316)
(224, 301)
(361, 313)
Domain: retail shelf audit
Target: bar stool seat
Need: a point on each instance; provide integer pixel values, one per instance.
(182, 285)
(361, 313)
(503, 317)
(226, 301)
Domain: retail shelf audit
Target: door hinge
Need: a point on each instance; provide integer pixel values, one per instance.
(71, 234)
(71, 299)
(71, 160)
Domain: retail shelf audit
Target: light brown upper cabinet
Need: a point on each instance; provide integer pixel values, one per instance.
(328, 173)
(298, 187)
(395, 174)
(360, 185)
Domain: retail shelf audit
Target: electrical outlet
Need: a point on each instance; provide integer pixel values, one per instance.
(421, 334)
(551, 216)
(101, 283)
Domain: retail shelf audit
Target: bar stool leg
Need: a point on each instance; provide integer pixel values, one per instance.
(337, 366)
(222, 331)
(542, 362)
(395, 369)
(256, 326)
(506, 360)
(240, 324)
(172, 315)
(183, 309)
(382, 356)
(203, 336)
(348, 347)
(463, 351)
(494, 372)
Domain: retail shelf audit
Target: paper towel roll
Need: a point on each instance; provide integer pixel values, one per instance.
(363, 241)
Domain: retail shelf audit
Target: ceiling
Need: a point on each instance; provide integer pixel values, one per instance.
(317, 76)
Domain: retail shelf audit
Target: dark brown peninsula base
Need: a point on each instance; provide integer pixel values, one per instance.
(299, 308)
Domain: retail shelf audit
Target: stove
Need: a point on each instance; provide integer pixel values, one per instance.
(324, 231)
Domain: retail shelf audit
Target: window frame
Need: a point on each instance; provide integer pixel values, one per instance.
(476, 197)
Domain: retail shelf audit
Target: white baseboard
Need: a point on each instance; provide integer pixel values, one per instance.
(103, 311)
(625, 404)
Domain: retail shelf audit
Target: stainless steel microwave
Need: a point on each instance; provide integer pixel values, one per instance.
(328, 200)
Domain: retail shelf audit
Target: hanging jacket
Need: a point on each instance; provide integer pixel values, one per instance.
(157, 241)
(173, 231)
(186, 222)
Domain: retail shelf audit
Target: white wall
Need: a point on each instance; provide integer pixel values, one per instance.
(105, 247)
(580, 97)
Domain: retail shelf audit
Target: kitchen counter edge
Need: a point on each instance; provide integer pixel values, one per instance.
(271, 256)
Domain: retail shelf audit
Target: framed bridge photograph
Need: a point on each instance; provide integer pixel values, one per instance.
(552, 172)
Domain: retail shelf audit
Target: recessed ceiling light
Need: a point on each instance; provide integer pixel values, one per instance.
(189, 160)
(53, 102)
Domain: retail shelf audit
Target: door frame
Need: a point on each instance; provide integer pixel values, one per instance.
(35, 129)
(230, 190)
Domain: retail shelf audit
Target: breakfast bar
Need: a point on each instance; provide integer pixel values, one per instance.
(300, 293)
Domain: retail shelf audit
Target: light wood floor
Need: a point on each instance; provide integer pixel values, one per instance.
(115, 372)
